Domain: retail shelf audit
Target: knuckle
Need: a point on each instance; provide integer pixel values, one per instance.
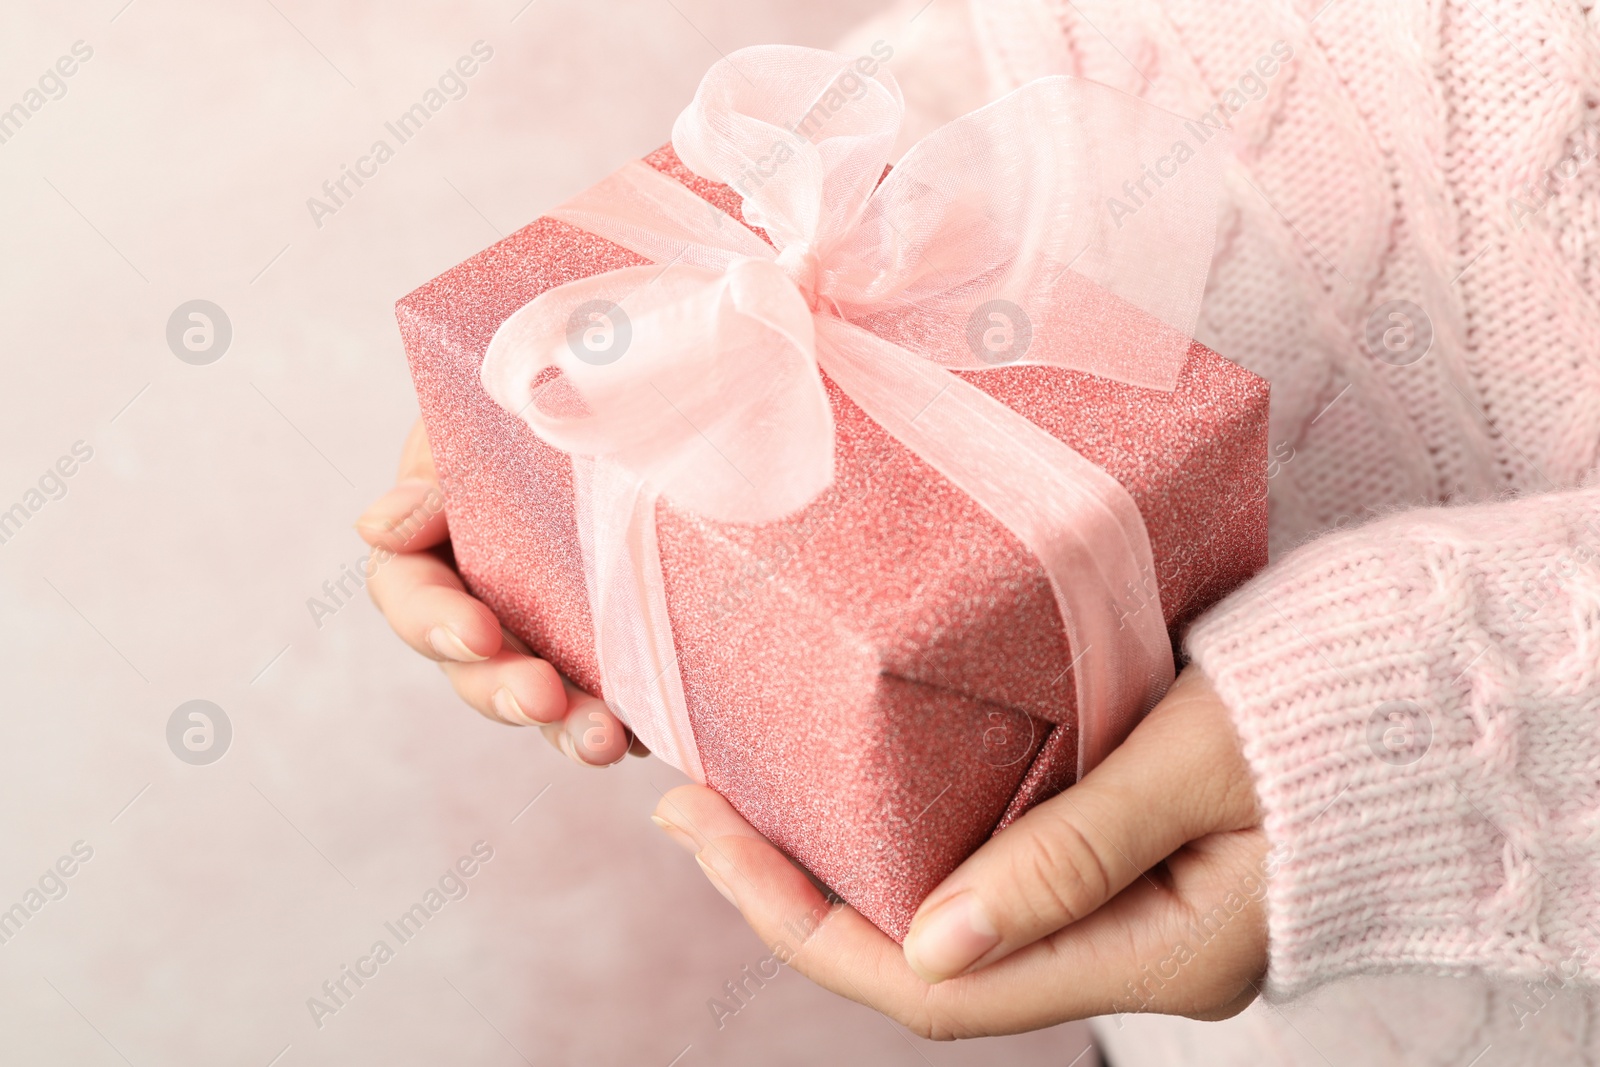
(929, 1011)
(943, 1028)
(917, 1020)
(1239, 805)
(941, 1013)
(1062, 877)
(925, 1019)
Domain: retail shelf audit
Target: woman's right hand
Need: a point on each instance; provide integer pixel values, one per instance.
(418, 590)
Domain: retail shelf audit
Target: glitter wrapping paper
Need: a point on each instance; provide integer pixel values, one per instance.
(880, 682)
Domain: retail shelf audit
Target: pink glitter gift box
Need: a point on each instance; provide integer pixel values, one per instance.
(880, 682)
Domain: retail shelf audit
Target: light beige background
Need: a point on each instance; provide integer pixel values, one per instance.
(219, 499)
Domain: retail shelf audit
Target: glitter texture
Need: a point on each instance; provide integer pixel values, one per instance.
(881, 682)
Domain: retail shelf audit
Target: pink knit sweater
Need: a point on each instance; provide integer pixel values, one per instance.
(1416, 677)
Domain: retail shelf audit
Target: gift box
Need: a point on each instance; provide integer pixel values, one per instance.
(880, 680)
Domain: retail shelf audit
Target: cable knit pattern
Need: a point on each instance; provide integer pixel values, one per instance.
(1436, 552)
(1419, 700)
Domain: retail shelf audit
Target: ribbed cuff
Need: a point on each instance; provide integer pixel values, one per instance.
(1381, 755)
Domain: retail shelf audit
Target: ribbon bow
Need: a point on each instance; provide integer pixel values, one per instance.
(995, 241)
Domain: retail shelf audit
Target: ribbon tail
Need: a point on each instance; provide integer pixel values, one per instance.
(1074, 517)
(616, 515)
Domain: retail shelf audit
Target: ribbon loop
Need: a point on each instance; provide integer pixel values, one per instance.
(801, 134)
(704, 386)
(1012, 208)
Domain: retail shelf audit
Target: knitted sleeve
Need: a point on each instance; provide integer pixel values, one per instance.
(1419, 702)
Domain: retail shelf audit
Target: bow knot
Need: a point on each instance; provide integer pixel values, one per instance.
(803, 265)
(700, 382)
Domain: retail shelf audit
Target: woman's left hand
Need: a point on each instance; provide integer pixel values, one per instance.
(1140, 888)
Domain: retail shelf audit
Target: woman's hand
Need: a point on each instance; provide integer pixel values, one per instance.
(1138, 889)
(424, 599)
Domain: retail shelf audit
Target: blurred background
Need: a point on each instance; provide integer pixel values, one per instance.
(175, 492)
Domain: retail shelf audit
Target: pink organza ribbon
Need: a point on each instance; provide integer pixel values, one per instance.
(993, 241)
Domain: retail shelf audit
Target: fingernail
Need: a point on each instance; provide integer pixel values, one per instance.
(950, 940)
(506, 706)
(570, 747)
(447, 644)
(676, 832)
(716, 880)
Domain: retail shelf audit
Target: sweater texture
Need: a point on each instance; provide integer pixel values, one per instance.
(1410, 252)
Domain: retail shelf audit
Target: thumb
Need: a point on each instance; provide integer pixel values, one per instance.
(1173, 780)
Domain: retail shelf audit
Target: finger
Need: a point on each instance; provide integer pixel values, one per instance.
(410, 517)
(1233, 1007)
(590, 733)
(582, 727)
(416, 455)
(1071, 854)
(836, 947)
(1206, 956)
(1122, 958)
(425, 602)
(580, 707)
(586, 731)
(824, 939)
(510, 688)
